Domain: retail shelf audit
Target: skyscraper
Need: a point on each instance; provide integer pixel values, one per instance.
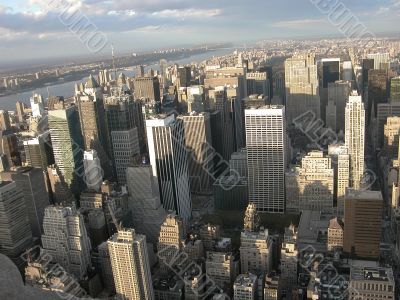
(4, 120)
(168, 157)
(266, 157)
(381, 60)
(66, 240)
(38, 151)
(37, 105)
(130, 265)
(338, 95)
(377, 91)
(93, 171)
(15, 232)
(126, 151)
(289, 258)
(68, 145)
(355, 138)
(302, 87)
(123, 114)
(362, 223)
(170, 240)
(144, 201)
(330, 71)
(395, 89)
(147, 88)
(90, 106)
(197, 129)
(31, 181)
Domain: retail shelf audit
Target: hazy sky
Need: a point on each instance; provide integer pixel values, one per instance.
(31, 29)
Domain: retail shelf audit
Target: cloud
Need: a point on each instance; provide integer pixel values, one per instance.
(187, 13)
(300, 24)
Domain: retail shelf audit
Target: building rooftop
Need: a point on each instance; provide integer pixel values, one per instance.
(246, 280)
(371, 273)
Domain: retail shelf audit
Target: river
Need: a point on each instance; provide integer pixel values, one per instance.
(66, 89)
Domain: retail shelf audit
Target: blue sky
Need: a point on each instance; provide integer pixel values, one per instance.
(31, 29)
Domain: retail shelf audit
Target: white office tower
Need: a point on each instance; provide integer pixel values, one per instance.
(15, 231)
(66, 240)
(341, 162)
(302, 87)
(256, 246)
(266, 157)
(37, 105)
(245, 287)
(355, 138)
(130, 265)
(311, 186)
(93, 171)
(289, 258)
(126, 151)
(168, 157)
(144, 202)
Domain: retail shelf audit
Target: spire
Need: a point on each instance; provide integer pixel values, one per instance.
(251, 218)
(91, 83)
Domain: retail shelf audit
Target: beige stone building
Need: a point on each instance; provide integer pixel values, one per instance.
(391, 136)
(245, 287)
(335, 234)
(130, 265)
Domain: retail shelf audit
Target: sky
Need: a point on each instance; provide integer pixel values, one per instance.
(43, 29)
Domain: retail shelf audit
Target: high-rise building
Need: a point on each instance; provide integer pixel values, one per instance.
(90, 106)
(381, 60)
(355, 138)
(266, 157)
(37, 105)
(377, 91)
(341, 163)
(272, 287)
(330, 71)
(66, 240)
(170, 241)
(335, 234)
(126, 153)
(147, 88)
(9, 148)
(105, 267)
(197, 129)
(168, 157)
(313, 187)
(68, 145)
(362, 223)
(395, 89)
(196, 101)
(123, 113)
(38, 151)
(256, 245)
(289, 258)
(391, 133)
(20, 111)
(31, 181)
(4, 120)
(130, 265)
(60, 191)
(238, 163)
(338, 95)
(347, 71)
(223, 131)
(384, 111)
(15, 232)
(259, 83)
(93, 171)
(144, 202)
(302, 87)
(245, 287)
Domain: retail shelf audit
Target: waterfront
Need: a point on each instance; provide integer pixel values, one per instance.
(66, 89)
